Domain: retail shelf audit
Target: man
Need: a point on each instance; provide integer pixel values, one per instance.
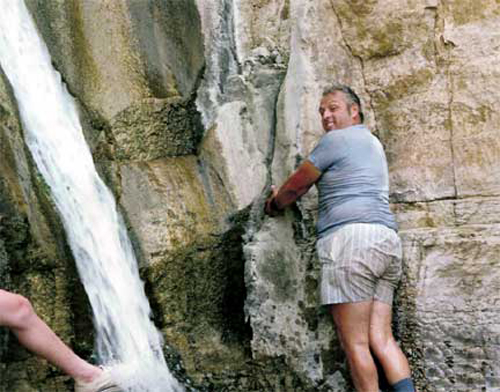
(17, 314)
(358, 247)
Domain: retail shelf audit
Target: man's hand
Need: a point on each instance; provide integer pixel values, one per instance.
(293, 188)
(271, 208)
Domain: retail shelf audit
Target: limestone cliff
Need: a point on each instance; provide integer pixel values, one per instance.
(193, 108)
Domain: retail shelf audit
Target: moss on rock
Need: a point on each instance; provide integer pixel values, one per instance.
(156, 128)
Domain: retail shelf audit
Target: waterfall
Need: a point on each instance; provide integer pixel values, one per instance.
(97, 236)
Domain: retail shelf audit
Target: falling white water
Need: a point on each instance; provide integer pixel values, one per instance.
(96, 234)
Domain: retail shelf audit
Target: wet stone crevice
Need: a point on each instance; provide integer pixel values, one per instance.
(197, 294)
(228, 63)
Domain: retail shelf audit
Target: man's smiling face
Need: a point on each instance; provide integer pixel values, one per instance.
(336, 113)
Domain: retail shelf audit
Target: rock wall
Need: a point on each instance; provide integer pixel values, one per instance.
(193, 110)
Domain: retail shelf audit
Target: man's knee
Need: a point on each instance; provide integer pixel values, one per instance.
(380, 341)
(20, 312)
(356, 350)
(355, 344)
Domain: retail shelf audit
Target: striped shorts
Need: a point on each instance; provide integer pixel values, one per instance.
(359, 262)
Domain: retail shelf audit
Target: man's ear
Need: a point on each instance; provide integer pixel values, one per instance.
(354, 110)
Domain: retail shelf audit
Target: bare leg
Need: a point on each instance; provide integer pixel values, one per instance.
(17, 314)
(384, 345)
(353, 326)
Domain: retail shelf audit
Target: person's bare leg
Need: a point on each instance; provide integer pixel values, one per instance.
(353, 326)
(384, 346)
(17, 314)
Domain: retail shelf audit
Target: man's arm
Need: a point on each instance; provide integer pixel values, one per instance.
(294, 187)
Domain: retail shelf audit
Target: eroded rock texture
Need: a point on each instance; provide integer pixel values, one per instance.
(194, 108)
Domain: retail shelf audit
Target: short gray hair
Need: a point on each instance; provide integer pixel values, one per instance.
(351, 96)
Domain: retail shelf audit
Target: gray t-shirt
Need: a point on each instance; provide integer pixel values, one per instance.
(354, 185)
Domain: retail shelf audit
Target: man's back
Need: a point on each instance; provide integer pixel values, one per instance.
(354, 186)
